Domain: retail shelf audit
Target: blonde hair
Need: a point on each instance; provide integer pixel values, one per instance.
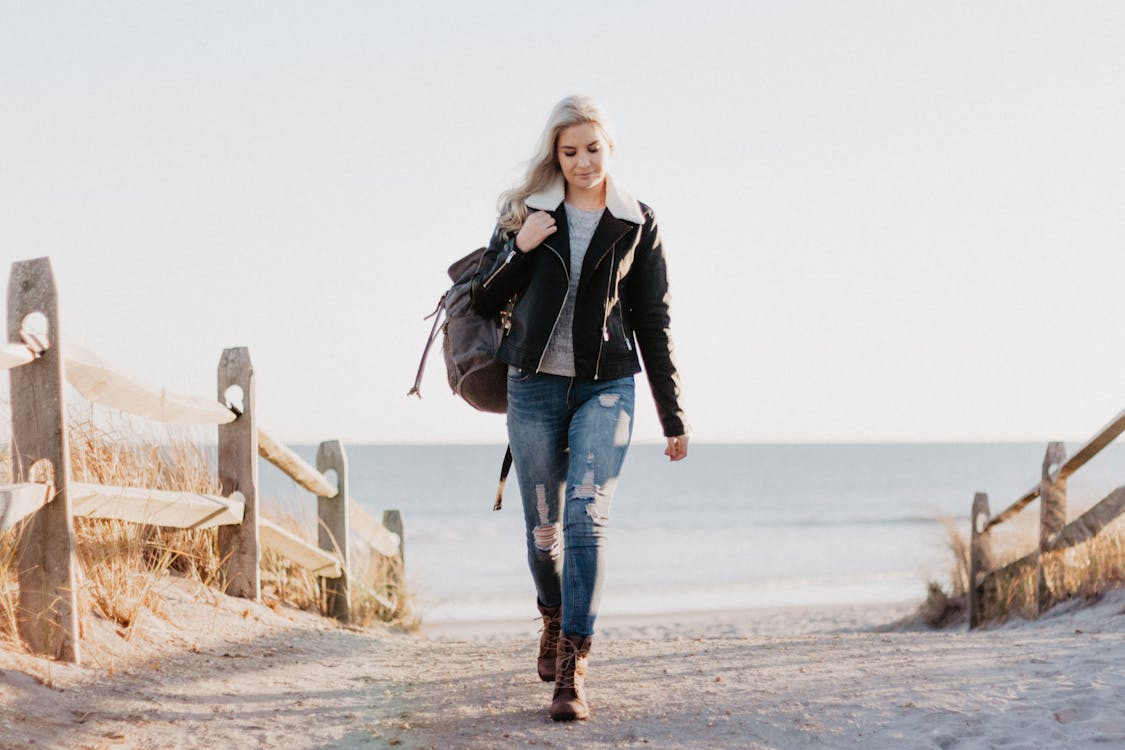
(543, 168)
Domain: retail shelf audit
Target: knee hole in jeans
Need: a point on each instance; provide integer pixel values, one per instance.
(546, 534)
(595, 513)
(597, 501)
(546, 537)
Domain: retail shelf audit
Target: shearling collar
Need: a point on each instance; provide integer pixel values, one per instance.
(618, 200)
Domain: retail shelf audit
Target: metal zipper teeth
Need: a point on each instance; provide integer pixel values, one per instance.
(561, 307)
(494, 274)
(612, 247)
(605, 315)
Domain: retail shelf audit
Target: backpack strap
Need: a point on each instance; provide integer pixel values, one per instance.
(437, 316)
(504, 469)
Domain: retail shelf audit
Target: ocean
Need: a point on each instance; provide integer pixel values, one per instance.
(731, 527)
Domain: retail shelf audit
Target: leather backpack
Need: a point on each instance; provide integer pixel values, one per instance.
(470, 342)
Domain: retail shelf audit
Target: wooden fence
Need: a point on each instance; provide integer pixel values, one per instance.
(986, 582)
(44, 499)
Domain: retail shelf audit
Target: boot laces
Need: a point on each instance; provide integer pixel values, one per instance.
(549, 624)
(565, 674)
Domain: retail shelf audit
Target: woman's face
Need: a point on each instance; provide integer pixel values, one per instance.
(583, 156)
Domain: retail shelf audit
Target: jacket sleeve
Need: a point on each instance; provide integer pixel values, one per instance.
(503, 272)
(649, 300)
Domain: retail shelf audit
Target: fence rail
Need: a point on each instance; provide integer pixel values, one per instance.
(1055, 535)
(177, 510)
(294, 466)
(39, 362)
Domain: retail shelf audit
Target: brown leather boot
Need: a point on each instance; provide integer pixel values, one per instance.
(549, 641)
(569, 701)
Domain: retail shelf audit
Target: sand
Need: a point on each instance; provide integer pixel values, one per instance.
(227, 674)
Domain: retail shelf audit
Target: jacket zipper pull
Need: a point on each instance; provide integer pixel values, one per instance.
(504, 264)
(605, 333)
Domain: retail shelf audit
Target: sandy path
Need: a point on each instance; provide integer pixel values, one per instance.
(261, 679)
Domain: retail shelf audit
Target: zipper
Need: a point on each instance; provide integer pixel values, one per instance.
(494, 274)
(605, 315)
(612, 246)
(562, 307)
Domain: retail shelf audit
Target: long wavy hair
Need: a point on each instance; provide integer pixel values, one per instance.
(543, 168)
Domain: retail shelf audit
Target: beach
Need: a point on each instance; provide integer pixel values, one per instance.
(216, 672)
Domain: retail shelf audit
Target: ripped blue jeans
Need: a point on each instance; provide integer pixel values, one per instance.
(569, 437)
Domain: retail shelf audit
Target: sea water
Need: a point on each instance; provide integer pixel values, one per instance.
(732, 527)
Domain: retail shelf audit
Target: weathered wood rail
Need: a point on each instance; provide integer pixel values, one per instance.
(1055, 534)
(44, 499)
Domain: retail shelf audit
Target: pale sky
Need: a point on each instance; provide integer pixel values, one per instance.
(884, 221)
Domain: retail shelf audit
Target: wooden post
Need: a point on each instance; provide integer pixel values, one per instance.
(47, 568)
(333, 529)
(980, 558)
(238, 471)
(392, 519)
(1052, 512)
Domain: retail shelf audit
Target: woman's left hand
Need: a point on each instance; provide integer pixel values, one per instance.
(677, 448)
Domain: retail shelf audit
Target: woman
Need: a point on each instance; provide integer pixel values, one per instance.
(585, 265)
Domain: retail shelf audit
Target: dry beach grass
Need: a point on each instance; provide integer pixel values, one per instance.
(1085, 571)
(125, 567)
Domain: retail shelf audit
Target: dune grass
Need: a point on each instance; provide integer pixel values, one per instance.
(9, 591)
(945, 606)
(122, 565)
(1084, 571)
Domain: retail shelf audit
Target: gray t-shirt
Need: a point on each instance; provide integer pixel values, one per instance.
(559, 357)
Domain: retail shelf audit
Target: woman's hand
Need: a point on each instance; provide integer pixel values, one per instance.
(677, 448)
(536, 228)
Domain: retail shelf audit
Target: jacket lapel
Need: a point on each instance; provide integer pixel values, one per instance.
(621, 215)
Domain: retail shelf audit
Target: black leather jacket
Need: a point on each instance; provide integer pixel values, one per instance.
(622, 296)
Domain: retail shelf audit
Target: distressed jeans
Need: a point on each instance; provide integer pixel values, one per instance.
(569, 437)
